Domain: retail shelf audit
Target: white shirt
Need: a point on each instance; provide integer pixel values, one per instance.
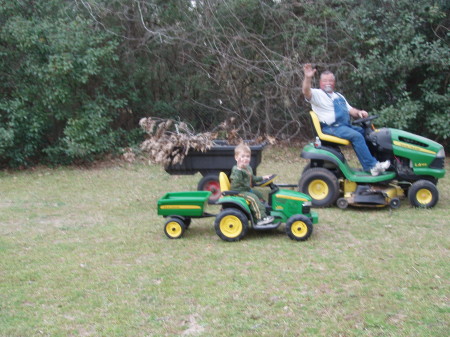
(322, 105)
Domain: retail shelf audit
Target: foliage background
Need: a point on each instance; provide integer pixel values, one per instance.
(78, 75)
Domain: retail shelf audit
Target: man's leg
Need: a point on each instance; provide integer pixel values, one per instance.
(359, 144)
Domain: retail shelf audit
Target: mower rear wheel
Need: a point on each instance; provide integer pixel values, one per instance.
(423, 193)
(321, 185)
(299, 227)
(231, 224)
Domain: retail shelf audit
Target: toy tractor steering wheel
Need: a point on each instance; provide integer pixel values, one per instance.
(266, 182)
(363, 120)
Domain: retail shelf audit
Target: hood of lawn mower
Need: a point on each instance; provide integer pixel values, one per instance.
(413, 156)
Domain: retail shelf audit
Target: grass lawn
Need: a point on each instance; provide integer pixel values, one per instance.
(83, 253)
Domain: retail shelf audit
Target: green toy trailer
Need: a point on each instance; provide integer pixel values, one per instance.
(180, 208)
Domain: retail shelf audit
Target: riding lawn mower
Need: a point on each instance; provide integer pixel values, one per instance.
(417, 163)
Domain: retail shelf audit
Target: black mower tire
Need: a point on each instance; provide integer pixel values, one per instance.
(342, 203)
(231, 224)
(394, 203)
(423, 194)
(321, 185)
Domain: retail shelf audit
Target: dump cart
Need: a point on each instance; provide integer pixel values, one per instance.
(179, 208)
(219, 158)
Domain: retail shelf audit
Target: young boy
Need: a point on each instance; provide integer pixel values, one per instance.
(242, 180)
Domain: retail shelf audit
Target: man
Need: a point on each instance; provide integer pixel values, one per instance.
(334, 114)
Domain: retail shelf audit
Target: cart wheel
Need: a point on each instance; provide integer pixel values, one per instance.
(394, 203)
(299, 227)
(321, 185)
(187, 222)
(423, 193)
(174, 228)
(342, 203)
(210, 183)
(231, 225)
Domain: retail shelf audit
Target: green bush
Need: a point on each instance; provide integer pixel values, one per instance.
(60, 93)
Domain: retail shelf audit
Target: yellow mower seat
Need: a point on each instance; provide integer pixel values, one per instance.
(323, 136)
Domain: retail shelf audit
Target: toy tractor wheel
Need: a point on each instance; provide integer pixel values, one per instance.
(299, 227)
(423, 193)
(321, 185)
(210, 183)
(342, 203)
(174, 228)
(231, 224)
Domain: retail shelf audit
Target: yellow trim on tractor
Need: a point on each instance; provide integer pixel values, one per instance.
(280, 196)
(412, 147)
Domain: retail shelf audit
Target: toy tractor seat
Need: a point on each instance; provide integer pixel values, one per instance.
(225, 185)
(324, 137)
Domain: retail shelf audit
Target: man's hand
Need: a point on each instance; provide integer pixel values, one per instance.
(356, 113)
(363, 114)
(308, 70)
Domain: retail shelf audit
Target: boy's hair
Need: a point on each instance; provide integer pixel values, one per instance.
(242, 148)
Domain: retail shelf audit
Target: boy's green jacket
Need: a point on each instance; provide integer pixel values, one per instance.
(242, 180)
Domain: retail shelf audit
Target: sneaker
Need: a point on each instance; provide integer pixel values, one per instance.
(374, 171)
(265, 221)
(384, 165)
(380, 167)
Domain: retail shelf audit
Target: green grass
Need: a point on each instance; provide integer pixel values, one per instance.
(83, 253)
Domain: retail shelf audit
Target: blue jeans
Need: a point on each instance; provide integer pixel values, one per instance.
(355, 135)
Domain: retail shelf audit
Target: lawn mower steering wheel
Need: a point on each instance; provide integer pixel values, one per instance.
(266, 182)
(363, 120)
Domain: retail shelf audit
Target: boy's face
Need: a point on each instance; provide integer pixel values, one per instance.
(242, 159)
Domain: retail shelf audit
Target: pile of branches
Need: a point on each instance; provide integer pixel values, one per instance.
(170, 141)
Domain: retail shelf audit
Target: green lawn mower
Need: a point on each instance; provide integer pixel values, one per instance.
(416, 165)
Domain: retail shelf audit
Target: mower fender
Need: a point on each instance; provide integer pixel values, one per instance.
(310, 152)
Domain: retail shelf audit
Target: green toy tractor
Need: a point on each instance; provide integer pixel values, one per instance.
(286, 206)
(417, 164)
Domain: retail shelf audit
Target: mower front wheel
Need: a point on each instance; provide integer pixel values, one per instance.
(231, 224)
(423, 193)
(321, 185)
